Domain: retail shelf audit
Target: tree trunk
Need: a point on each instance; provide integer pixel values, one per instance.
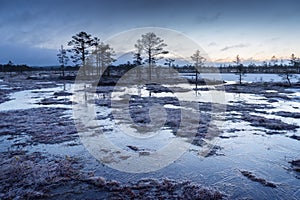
(149, 62)
(196, 80)
(288, 79)
(63, 70)
(83, 59)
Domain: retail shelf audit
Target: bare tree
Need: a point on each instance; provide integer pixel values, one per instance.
(153, 47)
(80, 43)
(198, 63)
(63, 59)
(104, 57)
(240, 68)
(96, 44)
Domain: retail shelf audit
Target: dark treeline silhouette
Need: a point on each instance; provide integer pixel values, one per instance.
(259, 69)
(186, 68)
(14, 68)
(24, 68)
(251, 68)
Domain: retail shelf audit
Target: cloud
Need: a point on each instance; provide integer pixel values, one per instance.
(275, 39)
(208, 19)
(223, 60)
(234, 46)
(212, 44)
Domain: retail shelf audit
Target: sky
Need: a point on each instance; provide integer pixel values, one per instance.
(32, 31)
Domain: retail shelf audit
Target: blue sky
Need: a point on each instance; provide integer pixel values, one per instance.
(32, 31)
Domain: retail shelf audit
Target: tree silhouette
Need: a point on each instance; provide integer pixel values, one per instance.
(288, 72)
(169, 62)
(138, 55)
(240, 68)
(62, 59)
(96, 43)
(138, 60)
(293, 60)
(152, 46)
(80, 43)
(274, 61)
(104, 57)
(10, 63)
(198, 63)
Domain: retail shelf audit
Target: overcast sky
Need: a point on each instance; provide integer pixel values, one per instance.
(32, 31)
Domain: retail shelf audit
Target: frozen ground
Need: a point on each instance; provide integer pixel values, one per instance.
(249, 150)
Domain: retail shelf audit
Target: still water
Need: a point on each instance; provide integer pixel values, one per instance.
(243, 146)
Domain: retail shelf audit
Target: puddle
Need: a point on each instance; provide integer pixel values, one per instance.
(4, 87)
(28, 99)
(246, 147)
(270, 91)
(243, 147)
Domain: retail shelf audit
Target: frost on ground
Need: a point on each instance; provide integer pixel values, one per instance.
(287, 114)
(271, 124)
(39, 175)
(13, 82)
(295, 165)
(259, 115)
(43, 125)
(254, 178)
(28, 176)
(34, 176)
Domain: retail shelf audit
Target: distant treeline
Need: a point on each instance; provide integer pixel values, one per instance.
(277, 69)
(14, 68)
(22, 68)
